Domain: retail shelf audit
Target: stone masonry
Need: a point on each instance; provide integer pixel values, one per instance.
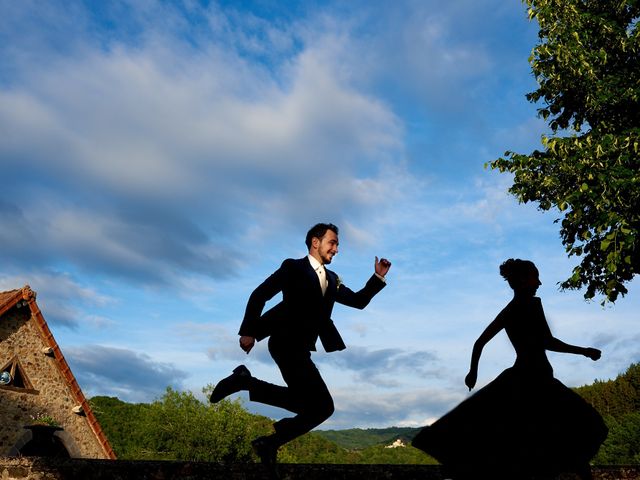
(46, 384)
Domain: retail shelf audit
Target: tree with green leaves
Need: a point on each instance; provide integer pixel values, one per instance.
(124, 424)
(587, 64)
(179, 426)
(618, 401)
(184, 428)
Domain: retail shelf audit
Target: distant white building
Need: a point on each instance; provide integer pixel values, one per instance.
(396, 444)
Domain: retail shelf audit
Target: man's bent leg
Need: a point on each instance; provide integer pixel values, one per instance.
(306, 392)
(270, 394)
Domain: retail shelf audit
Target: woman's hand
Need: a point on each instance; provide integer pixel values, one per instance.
(592, 353)
(247, 343)
(470, 379)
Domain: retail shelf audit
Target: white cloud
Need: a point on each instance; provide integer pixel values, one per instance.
(61, 298)
(126, 122)
(129, 375)
(383, 367)
(207, 136)
(366, 408)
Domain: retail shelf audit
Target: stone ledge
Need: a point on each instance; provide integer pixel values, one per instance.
(41, 468)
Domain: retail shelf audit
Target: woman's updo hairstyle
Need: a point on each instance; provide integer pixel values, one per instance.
(515, 270)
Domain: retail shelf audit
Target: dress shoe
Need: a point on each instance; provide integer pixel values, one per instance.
(238, 380)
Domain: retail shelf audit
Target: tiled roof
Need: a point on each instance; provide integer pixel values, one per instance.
(7, 300)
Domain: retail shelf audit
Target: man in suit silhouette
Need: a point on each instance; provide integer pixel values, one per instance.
(309, 292)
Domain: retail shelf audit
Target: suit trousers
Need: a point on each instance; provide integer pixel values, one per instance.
(306, 394)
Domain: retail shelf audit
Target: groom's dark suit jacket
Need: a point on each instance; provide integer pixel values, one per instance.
(304, 314)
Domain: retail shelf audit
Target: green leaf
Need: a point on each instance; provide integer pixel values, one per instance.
(587, 65)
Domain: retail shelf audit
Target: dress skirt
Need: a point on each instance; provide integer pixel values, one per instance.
(519, 422)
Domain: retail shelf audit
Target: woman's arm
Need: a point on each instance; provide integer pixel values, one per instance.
(489, 332)
(556, 345)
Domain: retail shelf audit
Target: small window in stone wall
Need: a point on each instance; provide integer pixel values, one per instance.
(12, 376)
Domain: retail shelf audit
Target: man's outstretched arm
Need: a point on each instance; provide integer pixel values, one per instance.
(362, 297)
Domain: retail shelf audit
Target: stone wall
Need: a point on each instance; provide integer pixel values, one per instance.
(50, 395)
(34, 468)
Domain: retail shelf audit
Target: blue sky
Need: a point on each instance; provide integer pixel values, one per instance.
(160, 159)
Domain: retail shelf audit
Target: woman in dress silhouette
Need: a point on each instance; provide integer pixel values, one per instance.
(525, 423)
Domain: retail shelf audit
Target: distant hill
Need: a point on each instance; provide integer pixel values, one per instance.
(179, 426)
(618, 401)
(615, 398)
(358, 438)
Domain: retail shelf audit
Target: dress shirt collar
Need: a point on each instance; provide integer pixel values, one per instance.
(315, 264)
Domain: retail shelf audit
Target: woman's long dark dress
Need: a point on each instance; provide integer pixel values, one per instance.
(524, 421)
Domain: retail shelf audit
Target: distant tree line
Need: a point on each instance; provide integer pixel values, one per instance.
(179, 426)
(618, 401)
(359, 438)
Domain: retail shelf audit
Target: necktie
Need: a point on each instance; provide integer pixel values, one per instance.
(322, 275)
